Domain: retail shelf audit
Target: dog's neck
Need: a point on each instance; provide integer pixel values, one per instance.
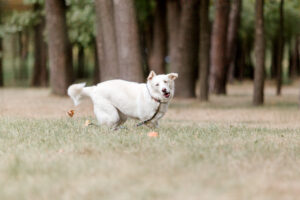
(152, 97)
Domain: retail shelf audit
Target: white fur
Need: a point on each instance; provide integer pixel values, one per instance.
(116, 100)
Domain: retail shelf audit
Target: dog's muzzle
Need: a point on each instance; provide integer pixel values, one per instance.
(166, 93)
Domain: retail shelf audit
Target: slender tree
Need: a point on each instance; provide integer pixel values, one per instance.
(204, 49)
(96, 65)
(240, 60)
(1, 61)
(61, 71)
(80, 61)
(1, 57)
(259, 71)
(295, 62)
(233, 26)
(40, 73)
(218, 58)
(186, 57)
(129, 53)
(173, 21)
(159, 46)
(274, 58)
(23, 53)
(99, 49)
(106, 40)
(280, 49)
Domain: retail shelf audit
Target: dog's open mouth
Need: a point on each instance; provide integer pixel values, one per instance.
(167, 94)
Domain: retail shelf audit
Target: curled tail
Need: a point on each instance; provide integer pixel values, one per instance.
(78, 91)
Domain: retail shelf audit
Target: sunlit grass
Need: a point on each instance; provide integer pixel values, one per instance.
(223, 149)
(63, 159)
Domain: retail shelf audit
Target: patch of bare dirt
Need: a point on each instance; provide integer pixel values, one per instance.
(235, 108)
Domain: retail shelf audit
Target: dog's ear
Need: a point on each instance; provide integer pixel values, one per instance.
(151, 75)
(173, 76)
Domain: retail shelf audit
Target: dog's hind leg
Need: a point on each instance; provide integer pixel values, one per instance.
(123, 118)
(107, 114)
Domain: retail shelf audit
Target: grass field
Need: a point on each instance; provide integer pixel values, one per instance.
(224, 149)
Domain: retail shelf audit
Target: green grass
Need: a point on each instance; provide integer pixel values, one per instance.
(63, 159)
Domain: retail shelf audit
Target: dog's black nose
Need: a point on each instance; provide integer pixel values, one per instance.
(164, 90)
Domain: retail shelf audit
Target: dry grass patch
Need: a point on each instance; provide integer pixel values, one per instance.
(224, 149)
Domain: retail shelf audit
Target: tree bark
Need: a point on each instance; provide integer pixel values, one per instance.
(204, 50)
(230, 73)
(259, 71)
(96, 65)
(295, 59)
(99, 48)
(234, 21)
(218, 49)
(106, 40)
(173, 21)
(61, 70)
(80, 62)
(274, 55)
(128, 42)
(158, 50)
(186, 57)
(280, 49)
(240, 61)
(1, 56)
(23, 51)
(1, 62)
(146, 43)
(40, 73)
(15, 54)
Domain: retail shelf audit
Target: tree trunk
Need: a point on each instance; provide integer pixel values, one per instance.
(106, 40)
(218, 49)
(230, 72)
(158, 50)
(290, 58)
(146, 43)
(128, 42)
(173, 21)
(99, 48)
(80, 62)
(23, 51)
(1, 56)
(259, 72)
(295, 60)
(298, 55)
(186, 57)
(234, 20)
(280, 50)
(204, 49)
(249, 66)
(40, 73)
(1, 61)
(274, 60)
(96, 65)
(61, 70)
(240, 61)
(15, 54)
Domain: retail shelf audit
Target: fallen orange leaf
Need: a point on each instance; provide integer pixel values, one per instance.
(71, 113)
(153, 134)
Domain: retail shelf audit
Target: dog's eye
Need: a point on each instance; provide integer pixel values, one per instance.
(165, 81)
(157, 84)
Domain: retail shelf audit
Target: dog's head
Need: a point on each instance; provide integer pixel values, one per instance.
(162, 86)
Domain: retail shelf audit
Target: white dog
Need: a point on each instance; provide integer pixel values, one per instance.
(116, 100)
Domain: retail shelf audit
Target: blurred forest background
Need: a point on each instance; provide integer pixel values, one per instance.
(209, 43)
